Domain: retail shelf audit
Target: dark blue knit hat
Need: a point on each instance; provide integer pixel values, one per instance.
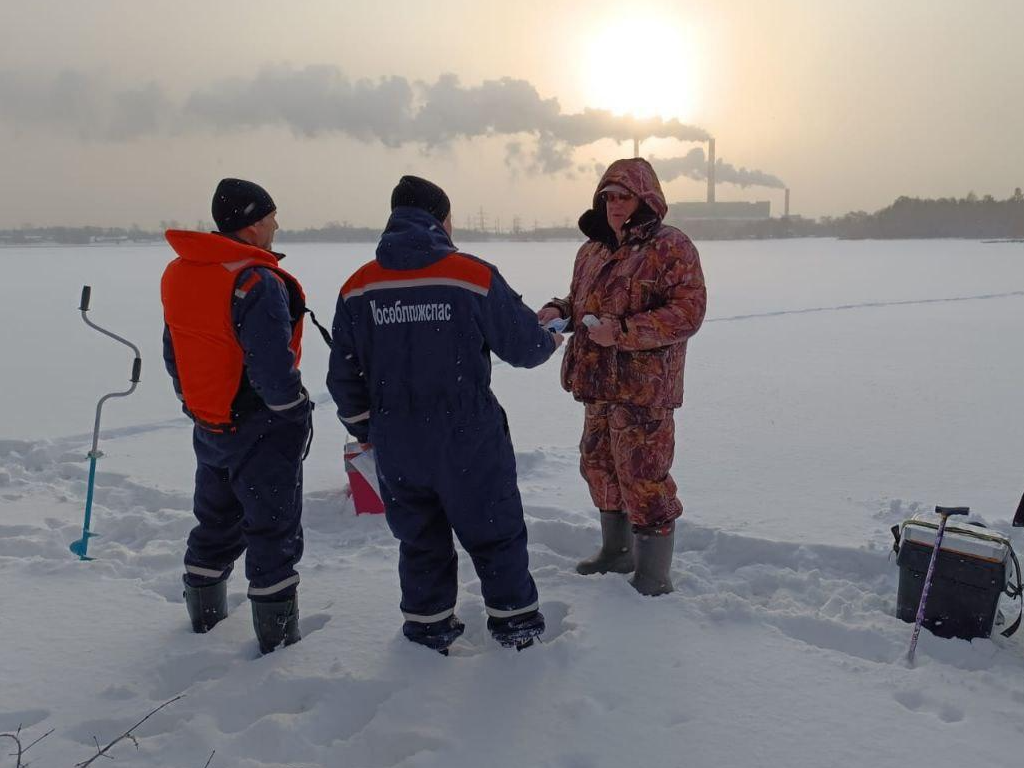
(238, 203)
(420, 193)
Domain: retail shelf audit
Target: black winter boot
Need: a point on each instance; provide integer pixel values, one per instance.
(616, 553)
(437, 635)
(276, 623)
(517, 631)
(206, 605)
(653, 559)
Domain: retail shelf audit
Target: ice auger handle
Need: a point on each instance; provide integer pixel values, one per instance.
(86, 295)
(948, 511)
(136, 370)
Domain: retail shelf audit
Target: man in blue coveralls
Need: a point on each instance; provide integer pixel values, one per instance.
(232, 345)
(410, 372)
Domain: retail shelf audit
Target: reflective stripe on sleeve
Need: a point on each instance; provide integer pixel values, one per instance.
(286, 406)
(356, 419)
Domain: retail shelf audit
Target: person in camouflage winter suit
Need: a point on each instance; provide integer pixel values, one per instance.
(641, 283)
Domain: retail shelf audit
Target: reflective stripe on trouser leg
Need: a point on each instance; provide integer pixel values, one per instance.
(208, 573)
(273, 589)
(500, 614)
(419, 619)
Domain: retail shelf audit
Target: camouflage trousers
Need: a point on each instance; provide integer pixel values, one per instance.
(625, 457)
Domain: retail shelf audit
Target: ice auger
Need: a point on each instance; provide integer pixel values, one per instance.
(81, 547)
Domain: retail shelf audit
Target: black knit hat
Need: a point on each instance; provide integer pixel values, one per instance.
(238, 203)
(420, 193)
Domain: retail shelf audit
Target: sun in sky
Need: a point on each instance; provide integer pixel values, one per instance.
(644, 66)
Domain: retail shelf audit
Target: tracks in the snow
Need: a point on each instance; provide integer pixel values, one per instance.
(864, 305)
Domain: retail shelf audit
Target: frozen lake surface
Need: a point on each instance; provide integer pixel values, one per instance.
(835, 389)
(832, 380)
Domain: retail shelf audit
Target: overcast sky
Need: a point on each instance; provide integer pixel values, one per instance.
(115, 112)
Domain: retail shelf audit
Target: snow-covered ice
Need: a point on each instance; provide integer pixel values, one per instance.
(836, 389)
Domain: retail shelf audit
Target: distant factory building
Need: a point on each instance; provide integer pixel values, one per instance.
(680, 214)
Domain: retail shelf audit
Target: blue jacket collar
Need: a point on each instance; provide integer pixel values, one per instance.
(413, 239)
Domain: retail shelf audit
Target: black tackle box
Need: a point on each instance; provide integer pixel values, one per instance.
(972, 571)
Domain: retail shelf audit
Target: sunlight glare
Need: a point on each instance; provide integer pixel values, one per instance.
(644, 67)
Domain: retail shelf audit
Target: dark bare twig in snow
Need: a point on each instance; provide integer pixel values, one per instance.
(26, 749)
(210, 760)
(102, 751)
(16, 738)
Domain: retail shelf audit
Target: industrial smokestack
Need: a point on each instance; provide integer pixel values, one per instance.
(787, 202)
(711, 170)
(636, 146)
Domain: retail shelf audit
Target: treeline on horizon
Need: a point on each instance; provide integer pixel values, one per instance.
(912, 217)
(969, 217)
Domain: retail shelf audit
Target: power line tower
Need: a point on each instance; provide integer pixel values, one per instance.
(481, 220)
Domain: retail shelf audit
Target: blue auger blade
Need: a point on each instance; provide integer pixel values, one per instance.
(81, 546)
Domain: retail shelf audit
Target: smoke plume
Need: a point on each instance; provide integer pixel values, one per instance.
(318, 100)
(83, 105)
(395, 111)
(694, 165)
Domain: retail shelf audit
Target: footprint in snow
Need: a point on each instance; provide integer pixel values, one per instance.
(167, 720)
(916, 701)
(314, 623)
(180, 673)
(329, 709)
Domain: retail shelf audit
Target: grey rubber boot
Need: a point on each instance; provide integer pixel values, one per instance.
(206, 605)
(616, 553)
(276, 623)
(653, 560)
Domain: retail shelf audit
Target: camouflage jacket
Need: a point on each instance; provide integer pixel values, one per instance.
(652, 284)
